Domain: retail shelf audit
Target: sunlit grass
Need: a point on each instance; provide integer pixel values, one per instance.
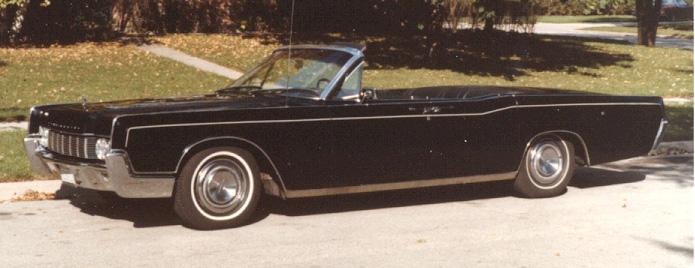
(101, 71)
(680, 118)
(14, 165)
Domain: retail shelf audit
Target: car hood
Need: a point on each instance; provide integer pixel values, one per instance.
(96, 118)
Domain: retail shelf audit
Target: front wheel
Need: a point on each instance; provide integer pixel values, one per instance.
(546, 169)
(218, 188)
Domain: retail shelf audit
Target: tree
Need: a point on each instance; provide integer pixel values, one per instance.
(13, 12)
(647, 21)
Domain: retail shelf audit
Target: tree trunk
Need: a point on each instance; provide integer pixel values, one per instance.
(18, 21)
(489, 25)
(647, 21)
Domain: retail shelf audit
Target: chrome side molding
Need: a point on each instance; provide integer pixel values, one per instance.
(398, 185)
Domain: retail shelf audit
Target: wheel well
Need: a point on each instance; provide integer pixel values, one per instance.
(265, 164)
(580, 150)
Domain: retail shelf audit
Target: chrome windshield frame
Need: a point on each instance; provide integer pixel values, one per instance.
(357, 55)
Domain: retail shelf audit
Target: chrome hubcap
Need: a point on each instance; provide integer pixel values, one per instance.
(221, 186)
(546, 162)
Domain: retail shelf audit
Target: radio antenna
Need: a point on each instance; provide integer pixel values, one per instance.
(289, 53)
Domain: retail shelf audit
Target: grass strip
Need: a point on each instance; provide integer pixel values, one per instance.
(14, 165)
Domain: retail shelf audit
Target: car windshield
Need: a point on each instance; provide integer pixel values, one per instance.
(305, 70)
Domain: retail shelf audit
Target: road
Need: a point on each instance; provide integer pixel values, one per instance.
(635, 213)
(573, 29)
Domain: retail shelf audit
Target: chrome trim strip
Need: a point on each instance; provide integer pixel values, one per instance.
(348, 50)
(659, 134)
(398, 185)
(378, 117)
(359, 86)
(332, 85)
(86, 152)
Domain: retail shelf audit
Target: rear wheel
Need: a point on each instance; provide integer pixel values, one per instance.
(546, 169)
(218, 188)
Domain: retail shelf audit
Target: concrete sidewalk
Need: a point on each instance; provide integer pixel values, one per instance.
(191, 61)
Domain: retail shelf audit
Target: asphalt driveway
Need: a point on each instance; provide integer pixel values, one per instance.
(635, 213)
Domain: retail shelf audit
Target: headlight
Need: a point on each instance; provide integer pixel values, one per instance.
(102, 148)
(43, 132)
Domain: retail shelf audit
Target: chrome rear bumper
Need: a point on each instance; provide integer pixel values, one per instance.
(659, 134)
(112, 176)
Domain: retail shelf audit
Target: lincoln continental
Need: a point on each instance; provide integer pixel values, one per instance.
(301, 124)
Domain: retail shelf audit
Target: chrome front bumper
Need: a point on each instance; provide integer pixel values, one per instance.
(114, 176)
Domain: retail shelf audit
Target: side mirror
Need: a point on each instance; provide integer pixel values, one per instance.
(367, 93)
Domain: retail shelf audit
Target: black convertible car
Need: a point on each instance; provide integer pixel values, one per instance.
(300, 124)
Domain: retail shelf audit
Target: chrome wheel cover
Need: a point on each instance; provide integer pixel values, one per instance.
(221, 186)
(546, 164)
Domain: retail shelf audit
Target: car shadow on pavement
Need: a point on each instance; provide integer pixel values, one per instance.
(390, 199)
(584, 177)
(150, 212)
(588, 177)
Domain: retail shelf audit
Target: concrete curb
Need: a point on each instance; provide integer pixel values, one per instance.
(673, 148)
(11, 190)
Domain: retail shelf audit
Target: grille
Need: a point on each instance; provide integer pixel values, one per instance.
(72, 145)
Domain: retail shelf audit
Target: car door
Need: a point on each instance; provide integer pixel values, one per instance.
(475, 137)
(379, 141)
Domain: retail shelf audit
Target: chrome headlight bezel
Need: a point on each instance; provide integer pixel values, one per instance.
(43, 134)
(103, 146)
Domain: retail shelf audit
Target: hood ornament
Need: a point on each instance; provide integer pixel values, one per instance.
(84, 101)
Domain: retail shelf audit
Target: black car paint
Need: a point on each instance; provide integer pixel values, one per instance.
(420, 134)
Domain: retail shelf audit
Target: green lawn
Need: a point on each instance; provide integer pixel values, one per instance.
(680, 118)
(678, 30)
(104, 71)
(591, 18)
(14, 165)
(549, 61)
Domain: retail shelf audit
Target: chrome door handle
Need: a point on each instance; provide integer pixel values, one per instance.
(431, 110)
